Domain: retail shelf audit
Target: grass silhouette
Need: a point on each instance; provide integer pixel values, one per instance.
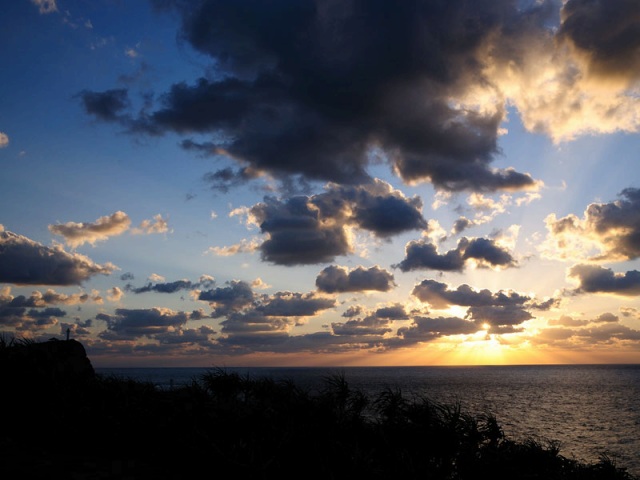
(101, 427)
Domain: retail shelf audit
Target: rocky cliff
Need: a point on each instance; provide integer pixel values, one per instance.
(56, 362)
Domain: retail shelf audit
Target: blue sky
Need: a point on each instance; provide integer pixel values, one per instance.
(322, 183)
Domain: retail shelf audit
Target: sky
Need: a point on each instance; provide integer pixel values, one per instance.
(322, 183)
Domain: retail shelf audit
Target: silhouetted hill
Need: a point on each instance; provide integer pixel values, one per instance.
(63, 420)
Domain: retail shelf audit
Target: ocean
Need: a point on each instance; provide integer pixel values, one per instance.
(590, 410)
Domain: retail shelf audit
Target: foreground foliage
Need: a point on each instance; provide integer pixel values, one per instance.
(224, 424)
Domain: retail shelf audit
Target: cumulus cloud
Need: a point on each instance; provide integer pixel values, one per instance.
(483, 252)
(77, 234)
(115, 294)
(607, 231)
(4, 140)
(26, 262)
(556, 76)
(260, 284)
(597, 279)
(335, 279)
(487, 208)
(39, 299)
(244, 246)
(317, 228)
(19, 315)
(156, 225)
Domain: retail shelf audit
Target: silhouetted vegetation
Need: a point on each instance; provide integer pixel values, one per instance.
(227, 425)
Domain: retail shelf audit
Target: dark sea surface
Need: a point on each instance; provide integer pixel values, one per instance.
(589, 409)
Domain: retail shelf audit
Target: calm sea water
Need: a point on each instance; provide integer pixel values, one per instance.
(590, 410)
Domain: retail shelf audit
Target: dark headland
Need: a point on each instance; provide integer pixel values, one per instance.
(61, 419)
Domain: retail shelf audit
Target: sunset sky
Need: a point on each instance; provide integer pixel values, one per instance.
(339, 182)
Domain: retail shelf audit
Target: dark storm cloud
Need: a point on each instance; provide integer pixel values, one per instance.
(439, 295)
(105, 105)
(607, 33)
(498, 315)
(25, 262)
(386, 215)
(606, 333)
(250, 316)
(189, 336)
(606, 317)
(353, 311)
(392, 312)
(365, 326)
(546, 304)
(425, 329)
(421, 254)
(310, 88)
(225, 300)
(461, 225)
(78, 329)
(486, 251)
(255, 323)
(168, 287)
(47, 312)
(335, 279)
(615, 226)
(609, 332)
(567, 321)
(596, 279)
(287, 304)
(226, 178)
(313, 229)
(500, 309)
(133, 323)
(198, 315)
(296, 233)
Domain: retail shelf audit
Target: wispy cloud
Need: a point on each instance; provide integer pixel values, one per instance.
(45, 6)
